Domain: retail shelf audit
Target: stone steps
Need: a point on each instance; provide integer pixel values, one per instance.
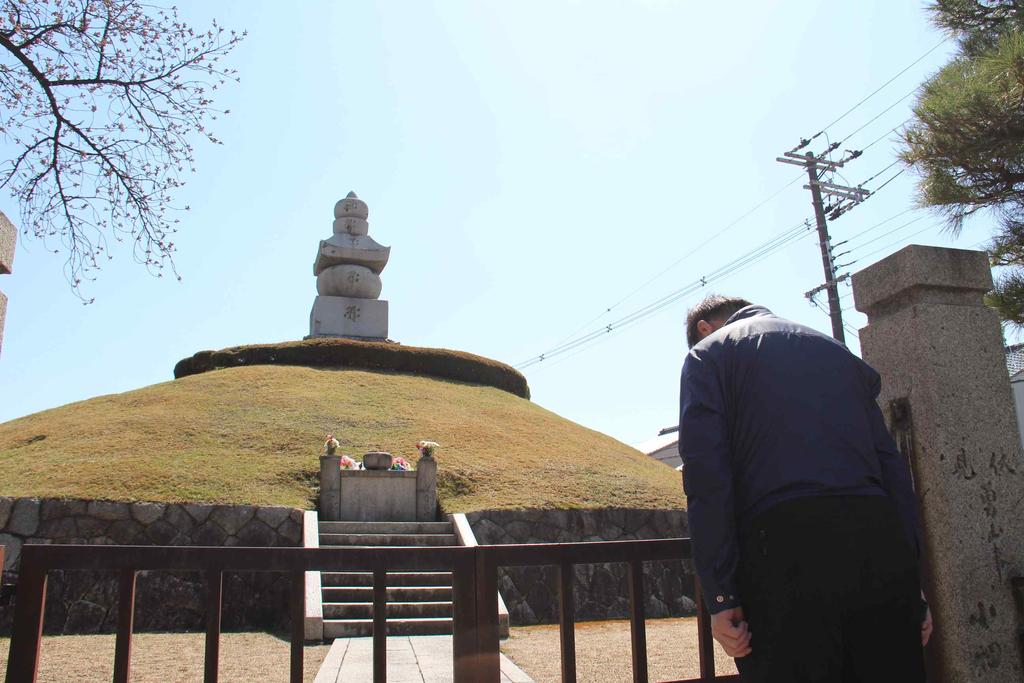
(395, 594)
(360, 628)
(387, 540)
(385, 527)
(395, 579)
(419, 603)
(395, 610)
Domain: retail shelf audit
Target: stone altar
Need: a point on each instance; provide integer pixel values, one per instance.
(377, 495)
(347, 269)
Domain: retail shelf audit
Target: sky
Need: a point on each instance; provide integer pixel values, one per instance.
(531, 164)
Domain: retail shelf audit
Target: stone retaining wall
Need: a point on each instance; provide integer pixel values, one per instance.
(86, 602)
(602, 590)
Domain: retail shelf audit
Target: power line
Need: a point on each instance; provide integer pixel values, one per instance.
(894, 177)
(831, 147)
(879, 114)
(804, 143)
(879, 173)
(859, 235)
(886, 134)
(846, 326)
(873, 227)
(902, 239)
(758, 253)
(685, 256)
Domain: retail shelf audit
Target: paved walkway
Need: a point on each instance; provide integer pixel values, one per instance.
(411, 659)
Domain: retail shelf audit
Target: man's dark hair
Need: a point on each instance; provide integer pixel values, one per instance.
(713, 307)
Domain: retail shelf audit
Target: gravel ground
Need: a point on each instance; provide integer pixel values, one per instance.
(603, 652)
(602, 649)
(168, 658)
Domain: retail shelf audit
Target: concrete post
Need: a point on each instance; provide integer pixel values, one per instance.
(426, 489)
(8, 238)
(330, 487)
(946, 394)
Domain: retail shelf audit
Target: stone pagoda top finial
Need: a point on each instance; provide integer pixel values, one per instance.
(347, 268)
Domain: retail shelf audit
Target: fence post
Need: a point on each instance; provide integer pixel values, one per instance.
(23, 657)
(214, 599)
(567, 620)
(637, 624)
(125, 622)
(705, 643)
(488, 637)
(465, 654)
(298, 604)
(380, 626)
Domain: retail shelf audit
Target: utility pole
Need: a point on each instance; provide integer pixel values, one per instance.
(854, 195)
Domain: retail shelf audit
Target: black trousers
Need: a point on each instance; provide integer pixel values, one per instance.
(831, 591)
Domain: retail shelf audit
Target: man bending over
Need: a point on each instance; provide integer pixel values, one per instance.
(802, 511)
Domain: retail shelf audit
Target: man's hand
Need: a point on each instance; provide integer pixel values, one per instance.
(926, 624)
(729, 628)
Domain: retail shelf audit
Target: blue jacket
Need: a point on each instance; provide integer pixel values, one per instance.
(769, 411)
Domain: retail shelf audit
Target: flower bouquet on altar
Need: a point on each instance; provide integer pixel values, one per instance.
(400, 464)
(427, 448)
(347, 463)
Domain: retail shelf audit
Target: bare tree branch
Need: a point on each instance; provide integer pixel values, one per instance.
(102, 99)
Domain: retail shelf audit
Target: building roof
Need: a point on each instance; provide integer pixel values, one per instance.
(657, 443)
(1014, 359)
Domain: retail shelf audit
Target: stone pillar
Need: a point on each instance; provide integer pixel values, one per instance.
(330, 487)
(8, 238)
(946, 394)
(426, 490)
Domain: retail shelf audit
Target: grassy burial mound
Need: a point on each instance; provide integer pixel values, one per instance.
(252, 434)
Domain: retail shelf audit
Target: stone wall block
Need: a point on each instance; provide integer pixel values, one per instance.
(256, 533)
(274, 516)
(24, 519)
(108, 511)
(171, 601)
(86, 602)
(232, 518)
(290, 533)
(601, 590)
(176, 516)
(210, 534)
(12, 550)
(53, 508)
(59, 528)
(126, 532)
(84, 616)
(90, 527)
(6, 506)
(161, 532)
(518, 529)
(486, 530)
(200, 513)
(147, 513)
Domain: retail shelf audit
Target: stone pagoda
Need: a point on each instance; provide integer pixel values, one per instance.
(347, 269)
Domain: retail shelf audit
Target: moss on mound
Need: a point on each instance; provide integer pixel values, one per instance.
(350, 353)
(253, 435)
